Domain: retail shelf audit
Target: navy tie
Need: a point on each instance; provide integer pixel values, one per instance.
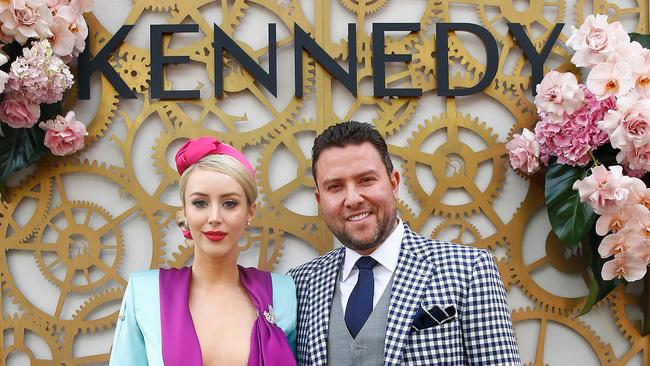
(360, 302)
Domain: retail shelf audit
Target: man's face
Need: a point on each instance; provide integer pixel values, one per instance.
(358, 198)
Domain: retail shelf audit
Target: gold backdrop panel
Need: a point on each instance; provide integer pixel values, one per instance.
(71, 223)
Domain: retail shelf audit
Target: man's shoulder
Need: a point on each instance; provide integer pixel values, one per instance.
(304, 271)
(444, 251)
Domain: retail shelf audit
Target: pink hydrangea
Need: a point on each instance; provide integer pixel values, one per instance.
(65, 135)
(596, 40)
(524, 152)
(18, 111)
(572, 139)
(39, 74)
(24, 19)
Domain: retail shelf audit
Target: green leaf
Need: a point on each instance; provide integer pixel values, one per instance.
(598, 288)
(19, 148)
(570, 218)
(644, 39)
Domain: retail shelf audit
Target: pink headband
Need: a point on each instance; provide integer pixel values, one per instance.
(194, 150)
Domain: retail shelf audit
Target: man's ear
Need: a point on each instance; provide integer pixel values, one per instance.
(394, 182)
(317, 195)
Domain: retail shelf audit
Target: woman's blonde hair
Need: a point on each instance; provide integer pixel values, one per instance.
(221, 164)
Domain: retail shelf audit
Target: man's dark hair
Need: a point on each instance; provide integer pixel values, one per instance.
(350, 133)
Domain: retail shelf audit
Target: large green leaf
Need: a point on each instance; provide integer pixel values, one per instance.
(570, 219)
(644, 39)
(598, 288)
(19, 148)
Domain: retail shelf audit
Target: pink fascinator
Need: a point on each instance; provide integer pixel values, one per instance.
(194, 150)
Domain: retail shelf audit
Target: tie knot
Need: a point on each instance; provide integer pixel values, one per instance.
(366, 263)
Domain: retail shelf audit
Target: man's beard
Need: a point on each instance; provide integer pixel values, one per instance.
(382, 232)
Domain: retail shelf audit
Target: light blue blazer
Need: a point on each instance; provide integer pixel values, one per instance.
(138, 339)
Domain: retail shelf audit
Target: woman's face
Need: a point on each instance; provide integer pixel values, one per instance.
(216, 212)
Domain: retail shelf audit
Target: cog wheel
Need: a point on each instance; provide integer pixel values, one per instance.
(32, 190)
(458, 169)
(85, 315)
(363, 7)
(616, 11)
(621, 300)
(109, 228)
(467, 233)
(603, 351)
(499, 13)
(21, 327)
(78, 248)
(555, 258)
(307, 227)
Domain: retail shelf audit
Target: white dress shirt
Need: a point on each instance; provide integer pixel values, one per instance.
(386, 256)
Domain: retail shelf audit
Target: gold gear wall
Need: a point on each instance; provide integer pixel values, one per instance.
(79, 246)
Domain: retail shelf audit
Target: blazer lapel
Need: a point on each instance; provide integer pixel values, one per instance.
(411, 280)
(322, 289)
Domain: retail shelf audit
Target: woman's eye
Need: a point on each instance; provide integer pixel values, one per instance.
(199, 203)
(230, 204)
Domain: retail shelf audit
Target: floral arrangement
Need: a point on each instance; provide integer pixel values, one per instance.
(593, 141)
(39, 41)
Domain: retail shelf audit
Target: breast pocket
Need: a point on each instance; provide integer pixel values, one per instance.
(438, 345)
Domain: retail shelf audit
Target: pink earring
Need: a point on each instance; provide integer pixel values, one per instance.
(187, 234)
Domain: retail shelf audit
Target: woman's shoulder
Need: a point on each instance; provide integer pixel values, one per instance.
(283, 281)
(144, 277)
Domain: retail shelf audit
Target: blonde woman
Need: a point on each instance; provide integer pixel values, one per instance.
(214, 312)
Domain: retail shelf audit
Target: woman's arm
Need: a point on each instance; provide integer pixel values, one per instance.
(128, 344)
(285, 306)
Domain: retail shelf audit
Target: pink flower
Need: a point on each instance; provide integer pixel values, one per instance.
(639, 220)
(629, 267)
(65, 135)
(607, 79)
(635, 158)
(18, 111)
(630, 124)
(25, 19)
(619, 243)
(642, 83)
(524, 151)
(612, 220)
(596, 40)
(70, 31)
(39, 74)
(605, 190)
(558, 93)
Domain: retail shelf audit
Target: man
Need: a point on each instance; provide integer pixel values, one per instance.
(391, 296)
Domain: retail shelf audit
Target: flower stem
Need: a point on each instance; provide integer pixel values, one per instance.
(593, 158)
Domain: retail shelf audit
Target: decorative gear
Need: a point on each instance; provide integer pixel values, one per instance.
(535, 14)
(55, 176)
(78, 247)
(309, 228)
(621, 302)
(555, 257)
(363, 7)
(21, 327)
(616, 11)
(458, 168)
(467, 233)
(33, 190)
(603, 351)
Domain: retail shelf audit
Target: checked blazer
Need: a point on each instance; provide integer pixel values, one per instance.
(429, 273)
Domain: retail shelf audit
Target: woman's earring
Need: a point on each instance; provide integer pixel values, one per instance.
(248, 223)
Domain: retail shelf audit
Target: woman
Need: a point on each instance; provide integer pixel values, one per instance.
(215, 312)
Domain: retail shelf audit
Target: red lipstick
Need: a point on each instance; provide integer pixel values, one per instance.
(214, 235)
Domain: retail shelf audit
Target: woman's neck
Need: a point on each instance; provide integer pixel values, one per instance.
(210, 273)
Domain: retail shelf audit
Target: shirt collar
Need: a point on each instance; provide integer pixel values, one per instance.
(386, 254)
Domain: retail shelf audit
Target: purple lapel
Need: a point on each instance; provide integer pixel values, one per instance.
(180, 344)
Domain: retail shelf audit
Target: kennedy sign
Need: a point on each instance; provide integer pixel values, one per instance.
(304, 43)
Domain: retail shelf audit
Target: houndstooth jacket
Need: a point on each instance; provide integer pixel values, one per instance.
(428, 273)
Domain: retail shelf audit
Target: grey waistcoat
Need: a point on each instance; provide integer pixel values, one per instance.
(368, 348)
